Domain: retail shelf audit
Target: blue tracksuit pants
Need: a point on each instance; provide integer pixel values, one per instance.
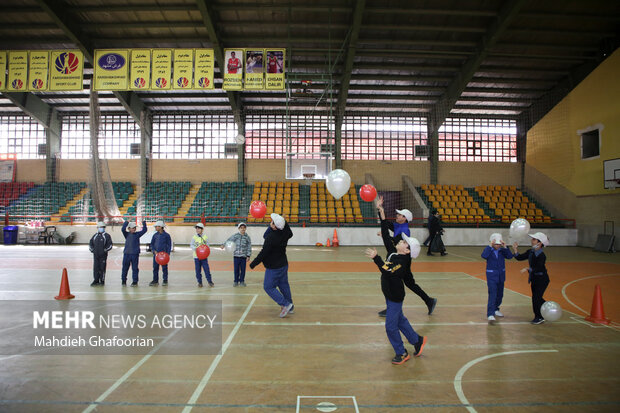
(130, 259)
(276, 285)
(395, 323)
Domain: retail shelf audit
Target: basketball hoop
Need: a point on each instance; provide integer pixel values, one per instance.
(308, 177)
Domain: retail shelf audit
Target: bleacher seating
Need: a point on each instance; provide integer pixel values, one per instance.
(279, 197)
(455, 204)
(85, 206)
(324, 208)
(221, 199)
(162, 199)
(10, 191)
(47, 199)
(509, 203)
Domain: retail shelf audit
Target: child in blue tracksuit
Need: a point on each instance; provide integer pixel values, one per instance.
(495, 254)
(160, 242)
(131, 253)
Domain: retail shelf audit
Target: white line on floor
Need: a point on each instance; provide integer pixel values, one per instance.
(459, 375)
(216, 361)
(581, 279)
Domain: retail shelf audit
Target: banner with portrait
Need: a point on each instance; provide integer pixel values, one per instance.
(233, 70)
(254, 69)
(275, 64)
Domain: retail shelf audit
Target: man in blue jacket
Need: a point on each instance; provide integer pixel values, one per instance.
(160, 242)
(131, 253)
(495, 254)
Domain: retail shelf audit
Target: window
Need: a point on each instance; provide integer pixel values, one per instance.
(478, 140)
(590, 144)
(382, 137)
(75, 140)
(266, 138)
(20, 135)
(192, 136)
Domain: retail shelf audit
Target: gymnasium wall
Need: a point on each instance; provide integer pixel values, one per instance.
(31, 170)
(553, 144)
(471, 174)
(555, 174)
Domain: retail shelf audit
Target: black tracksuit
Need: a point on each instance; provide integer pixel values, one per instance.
(434, 227)
(99, 245)
(538, 278)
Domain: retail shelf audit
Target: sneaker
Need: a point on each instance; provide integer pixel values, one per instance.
(431, 306)
(235, 284)
(165, 283)
(102, 283)
(285, 310)
(211, 285)
(419, 346)
(134, 284)
(199, 284)
(498, 313)
(292, 310)
(124, 283)
(153, 283)
(401, 358)
(383, 313)
(94, 283)
(491, 318)
(444, 254)
(242, 283)
(538, 320)
(430, 254)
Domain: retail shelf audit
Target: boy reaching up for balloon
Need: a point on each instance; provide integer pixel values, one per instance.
(538, 277)
(495, 254)
(201, 264)
(242, 251)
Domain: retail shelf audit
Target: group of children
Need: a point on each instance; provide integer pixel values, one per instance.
(101, 243)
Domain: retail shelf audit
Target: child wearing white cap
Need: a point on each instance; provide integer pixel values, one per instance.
(99, 245)
(273, 257)
(241, 255)
(538, 277)
(160, 242)
(197, 240)
(131, 253)
(495, 253)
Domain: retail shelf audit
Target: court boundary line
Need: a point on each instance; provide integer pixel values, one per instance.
(458, 387)
(216, 361)
(299, 397)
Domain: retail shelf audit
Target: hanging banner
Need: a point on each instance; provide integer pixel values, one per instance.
(233, 72)
(38, 70)
(67, 70)
(111, 71)
(162, 69)
(203, 68)
(274, 78)
(254, 69)
(183, 69)
(18, 71)
(140, 77)
(2, 70)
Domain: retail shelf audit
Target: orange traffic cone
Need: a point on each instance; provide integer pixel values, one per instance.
(336, 243)
(328, 244)
(65, 292)
(597, 313)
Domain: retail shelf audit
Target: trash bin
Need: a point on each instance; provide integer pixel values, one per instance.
(10, 234)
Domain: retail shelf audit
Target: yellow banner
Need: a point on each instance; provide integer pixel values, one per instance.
(140, 69)
(254, 69)
(111, 71)
(67, 70)
(18, 71)
(2, 70)
(203, 69)
(162, 69)
(233, 72)
(38, 70)
(276, 64)
(183, 69)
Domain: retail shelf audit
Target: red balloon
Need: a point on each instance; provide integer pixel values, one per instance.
(368, 193)
(162, 258)
(258, 209)
(202, 252)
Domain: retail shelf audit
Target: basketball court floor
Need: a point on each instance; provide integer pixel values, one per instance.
(332, 355)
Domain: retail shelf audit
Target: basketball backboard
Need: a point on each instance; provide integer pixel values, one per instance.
(611, 175)
(308, 166)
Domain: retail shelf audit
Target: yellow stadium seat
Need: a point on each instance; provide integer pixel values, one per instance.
(539, 212)
(314, 219)
(486, 219)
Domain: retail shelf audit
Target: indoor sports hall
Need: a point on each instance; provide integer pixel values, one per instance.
(333, 206)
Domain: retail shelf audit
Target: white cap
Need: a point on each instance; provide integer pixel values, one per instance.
(240, 224)
(278, 220)
(406, 213)
(496, 238)
(199, 225)
(160, 223)
(414, 245)
(541, 237)
(100, 224)
(132, 225)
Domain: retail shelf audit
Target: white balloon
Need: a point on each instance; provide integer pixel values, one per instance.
(230, 246)
(551, 311)
(415, 248)
(519, 228)
(338, 183)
